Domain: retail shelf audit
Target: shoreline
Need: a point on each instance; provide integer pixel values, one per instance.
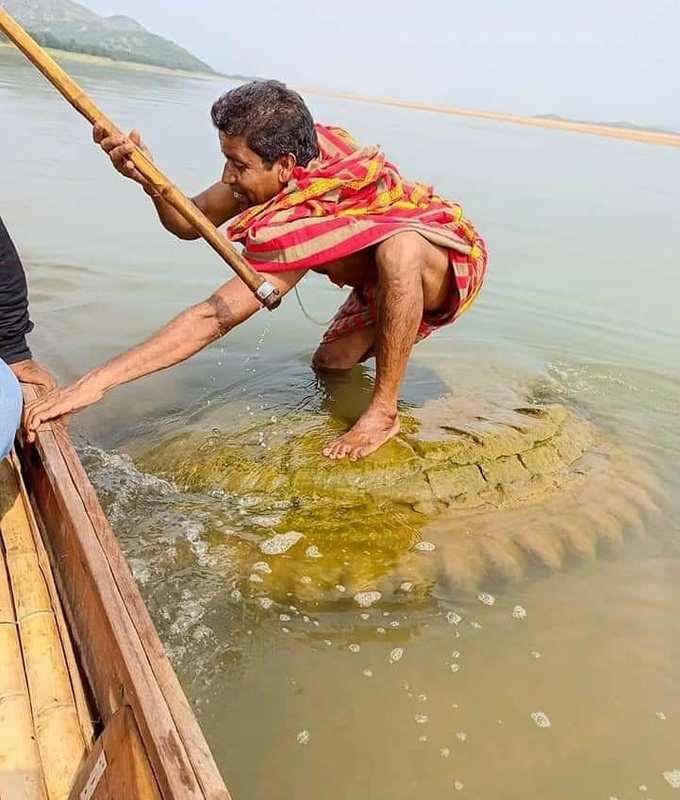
(593, 128)
(641, 135)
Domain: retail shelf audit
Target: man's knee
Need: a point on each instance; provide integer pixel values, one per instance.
(406, 247)
(325, 360)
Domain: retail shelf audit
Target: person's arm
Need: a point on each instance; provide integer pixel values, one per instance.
(185, 335)
(14, 320)
(217, 202)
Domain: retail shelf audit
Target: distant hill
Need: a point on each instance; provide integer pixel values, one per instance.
(67, 25)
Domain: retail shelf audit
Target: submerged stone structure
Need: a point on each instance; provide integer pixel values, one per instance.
(471, 490)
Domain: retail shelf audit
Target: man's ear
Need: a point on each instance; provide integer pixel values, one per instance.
(286, 165)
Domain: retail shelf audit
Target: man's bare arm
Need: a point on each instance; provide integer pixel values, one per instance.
(217, 202)
(185, 335)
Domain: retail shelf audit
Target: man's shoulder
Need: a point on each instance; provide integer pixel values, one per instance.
(335, 141)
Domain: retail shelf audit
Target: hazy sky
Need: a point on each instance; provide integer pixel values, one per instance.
(588, 59)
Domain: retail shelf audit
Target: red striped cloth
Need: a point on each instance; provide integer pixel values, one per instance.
(346, 200)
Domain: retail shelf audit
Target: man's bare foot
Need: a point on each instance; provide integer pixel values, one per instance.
(370, 431)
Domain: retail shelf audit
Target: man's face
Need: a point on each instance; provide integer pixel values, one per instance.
(251, 180)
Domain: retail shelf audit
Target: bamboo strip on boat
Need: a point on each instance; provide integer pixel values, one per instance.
(55, 717)
(84, 704)
(21, 775)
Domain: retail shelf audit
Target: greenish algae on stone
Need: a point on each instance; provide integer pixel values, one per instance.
(484, 481)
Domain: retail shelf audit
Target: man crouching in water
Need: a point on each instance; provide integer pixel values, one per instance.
(302, 196)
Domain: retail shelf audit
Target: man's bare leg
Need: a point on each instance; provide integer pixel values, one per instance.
(401, 262)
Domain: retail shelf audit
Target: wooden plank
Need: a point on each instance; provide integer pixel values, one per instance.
(119, 646)
(118, 766)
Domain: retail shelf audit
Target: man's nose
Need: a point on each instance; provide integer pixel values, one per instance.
(228, 175)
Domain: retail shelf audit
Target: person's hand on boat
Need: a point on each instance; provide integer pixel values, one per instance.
(58, 403)
(119, 148)
(30, 371)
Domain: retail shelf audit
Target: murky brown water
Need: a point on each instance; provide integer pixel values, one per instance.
(426, 693)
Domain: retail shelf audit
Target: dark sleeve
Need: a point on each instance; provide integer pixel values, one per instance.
(14, 321)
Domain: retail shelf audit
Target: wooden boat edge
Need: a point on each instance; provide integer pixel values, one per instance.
(122, 656)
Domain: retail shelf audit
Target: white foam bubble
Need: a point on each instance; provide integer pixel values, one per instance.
(255, 578)
(672, 778)
(540, 719)
(367, 599)
(425, 547)
(486, 598)
(406, 586)
(421, 719)
(518, 612)
(280, 543)
(453, 619)
(303, 737)
(313, 552)
(266, 602)
(368, 673)
(396, 654)
(354, 648)
(263, 567)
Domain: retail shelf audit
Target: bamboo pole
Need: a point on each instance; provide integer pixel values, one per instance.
(265, 291)
(55, 717)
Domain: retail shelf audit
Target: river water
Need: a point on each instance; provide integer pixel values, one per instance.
(327, 700)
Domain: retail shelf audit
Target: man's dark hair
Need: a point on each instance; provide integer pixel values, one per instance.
(272, 118)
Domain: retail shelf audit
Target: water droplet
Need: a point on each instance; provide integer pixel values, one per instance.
(461, 735)
(486, 598)
(540, 719)
(519, 613)
(368, 673)
(327, 642)
(285, 630)
(380, 630)
(273, 418)
(394, 623)
(458, 786)
(425, 547)
(303, 737)
(340, 587)
(364, 615)
(422, 698)
(660, 715)
(453, 619)
(305, 579)
(673, 778)
(454, 667)
(444, 752)
(367, 599)
(284, 617)
(455, 654)
(396, 654)
(313, 552)
(535, 654)
(354, 648)
(421, 719)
